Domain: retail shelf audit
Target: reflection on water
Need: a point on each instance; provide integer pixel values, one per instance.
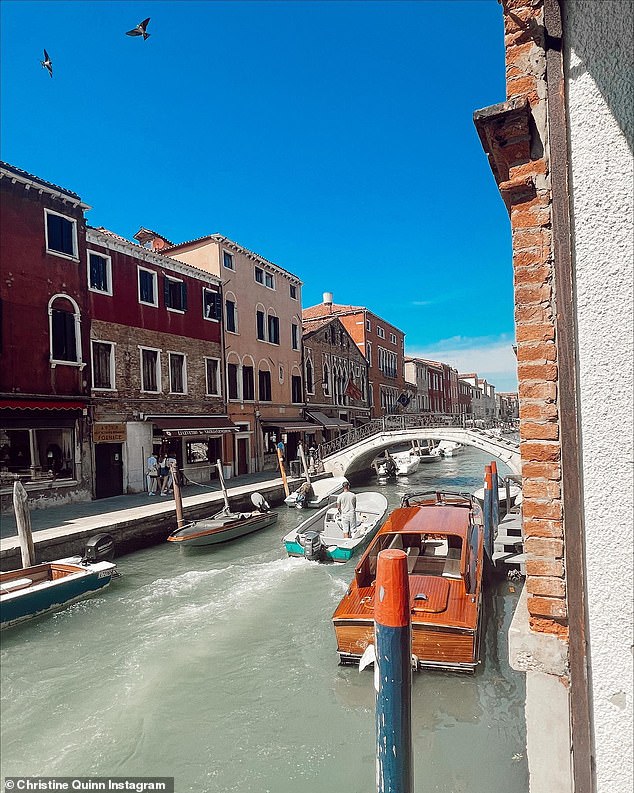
(220, 669)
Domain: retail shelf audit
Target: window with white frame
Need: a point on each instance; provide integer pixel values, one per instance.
(212, 304)
(150, 370)
(99, 273)
(368, 324)
(264, 385)
(295, 336)
(296, 389)
(310, 377)
(326, 381)
(178, 373)
(175, 294)
(65, 338)
(61, 234)
(368, 355)
(227, 260)
(259, 275)
(103, 369)
(231, 316)
(212, 373)
(274, 329)
(293, 291)
(269, 280)
(260, 325)
(393, 338)
(148, 287)
(232, 380)
(248, 384)
(380, 332)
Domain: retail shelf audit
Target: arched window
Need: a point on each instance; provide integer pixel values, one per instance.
(310, 379)
(64, 330)
(326, 380)
(231, 312)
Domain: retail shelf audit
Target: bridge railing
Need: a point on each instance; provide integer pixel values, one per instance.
(402, 421)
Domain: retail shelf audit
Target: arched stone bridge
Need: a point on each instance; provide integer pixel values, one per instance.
(353, 452)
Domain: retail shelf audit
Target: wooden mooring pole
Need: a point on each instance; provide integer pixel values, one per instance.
(178, 498)
(487, 509)
(393, 675)
(280, 460)
(495, 501)
(23, 520)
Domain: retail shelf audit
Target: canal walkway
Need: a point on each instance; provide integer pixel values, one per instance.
(135, 520)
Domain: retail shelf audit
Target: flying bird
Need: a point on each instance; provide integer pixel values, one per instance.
(47, 63)
(139, 30)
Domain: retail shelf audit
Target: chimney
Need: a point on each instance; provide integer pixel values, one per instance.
(328, 300)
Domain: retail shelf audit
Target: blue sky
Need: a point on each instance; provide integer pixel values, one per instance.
(334, 138)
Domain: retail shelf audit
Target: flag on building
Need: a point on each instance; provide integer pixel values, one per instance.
(404, 399)
(353, 391)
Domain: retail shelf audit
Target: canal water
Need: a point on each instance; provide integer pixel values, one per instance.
(219, 668)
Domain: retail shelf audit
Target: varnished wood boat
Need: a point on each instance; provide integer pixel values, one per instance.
(442, 535)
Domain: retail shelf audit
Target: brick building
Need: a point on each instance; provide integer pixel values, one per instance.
(560, 148)
(381, 343)
(336, 376)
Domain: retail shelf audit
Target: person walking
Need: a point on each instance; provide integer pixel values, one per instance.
(164, 472)
(152, 475)
(171, 461)
(347, 509)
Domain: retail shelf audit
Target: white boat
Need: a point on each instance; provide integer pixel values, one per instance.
(322, 490)
(427, 453)
(515, 493)
(320, 537)
(449, 448)
(406, 462)
(384, 466)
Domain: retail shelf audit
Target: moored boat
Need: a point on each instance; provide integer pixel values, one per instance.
(50, 586)
(319, 493)
(406, 462)
(384, 466)
(225, 525)
(449, 448)
(442, 535)
(320, 537)
(515, 495)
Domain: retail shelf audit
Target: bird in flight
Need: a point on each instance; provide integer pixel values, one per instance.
(139, 30)
(47, 63)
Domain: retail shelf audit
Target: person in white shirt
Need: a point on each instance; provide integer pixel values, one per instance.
(152, 475)
(347, 508)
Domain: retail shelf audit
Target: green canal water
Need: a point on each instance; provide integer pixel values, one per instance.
(220, 669)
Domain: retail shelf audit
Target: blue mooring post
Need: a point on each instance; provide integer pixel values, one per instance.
(393, 675)
(487, 510)
(495, 497)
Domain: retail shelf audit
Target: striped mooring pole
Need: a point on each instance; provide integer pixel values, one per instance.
(393, 674)
(487, 509)
(495, 497)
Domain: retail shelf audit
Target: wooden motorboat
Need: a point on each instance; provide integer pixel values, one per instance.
(225, 525)
(50, 586)
(442, 535)
(322, 491)
(320, 537)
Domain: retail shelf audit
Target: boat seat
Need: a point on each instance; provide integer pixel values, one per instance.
(17, 583)
(397, 542)
(451, 568)
(412, 552)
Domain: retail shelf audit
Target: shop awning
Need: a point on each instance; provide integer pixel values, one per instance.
(186, 426)
(40, 404)
(329, 422)
(287, 425)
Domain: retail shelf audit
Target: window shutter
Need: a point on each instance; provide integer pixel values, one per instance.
(184, 296)
(217, 305)
(166, 291)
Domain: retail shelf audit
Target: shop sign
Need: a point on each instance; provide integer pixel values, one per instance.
(109, 432)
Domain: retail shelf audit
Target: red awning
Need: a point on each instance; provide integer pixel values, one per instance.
(186, 426)
(40, 404)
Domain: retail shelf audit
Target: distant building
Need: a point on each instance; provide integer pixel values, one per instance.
(382, 345)
(336, 376)
(508, 406)
(484, 403)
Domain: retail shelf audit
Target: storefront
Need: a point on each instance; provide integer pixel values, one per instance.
(331, 426)
(290, 432)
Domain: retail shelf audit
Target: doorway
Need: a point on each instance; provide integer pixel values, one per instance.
(243, 456)
(108, 470)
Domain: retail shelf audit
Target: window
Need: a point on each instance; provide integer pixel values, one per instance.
(178, 376)
(148, 291)
(212, 371)
(63, 332)
(175, 294)
(61, 234)
(51, 449)
(295, 336)
(368, 324)
(232, 380)
(326, 381)
(296, 389)
(259, 316)
(293, 291)
(269, 280)
(380, 332)
(248, 386)
(103, 365)
(310, 379)
(259, 275)
(99, 273)
(274, 329)
(212, 304)
(368, 346)
(231, 316)
(393, 338)
(227, 260)
(150, 370)
(264, 386)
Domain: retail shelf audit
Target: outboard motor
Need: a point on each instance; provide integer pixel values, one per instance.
(313, 546)
(99, 548)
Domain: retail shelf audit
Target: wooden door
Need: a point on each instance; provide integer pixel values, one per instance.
(108, 470)
(243, 451)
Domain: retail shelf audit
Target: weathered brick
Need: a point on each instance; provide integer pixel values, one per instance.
(548, 586)
(541, 488)
(542, 372)
(532, 314)
(541, 625)
(541, 411)
(544, 567)
(534, 167)
(531, 508)
(540, 451)
(543, 546)
(543, 331)
(541, 471)
(542, 431)
(547, 607)
(532, 276)
(530, 238)
(529, 218)
(545, 391)
(529, 257)
(546, 351)
(533, 294)
(536, 527)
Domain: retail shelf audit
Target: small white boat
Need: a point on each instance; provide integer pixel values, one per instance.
(320, 537)
(428, 453)
(50, 586)
(515, 493)
(322, 490)
(406, 462)
(449, 448)
(384, 466)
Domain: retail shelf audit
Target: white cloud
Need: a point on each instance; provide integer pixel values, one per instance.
(491, 358)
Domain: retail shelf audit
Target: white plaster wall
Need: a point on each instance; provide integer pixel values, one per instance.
(598, 37)
(137, 450)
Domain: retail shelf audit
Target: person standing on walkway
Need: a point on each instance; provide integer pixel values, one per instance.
(347, 508)
(152, 475)
(164, 472)
(171, 462)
